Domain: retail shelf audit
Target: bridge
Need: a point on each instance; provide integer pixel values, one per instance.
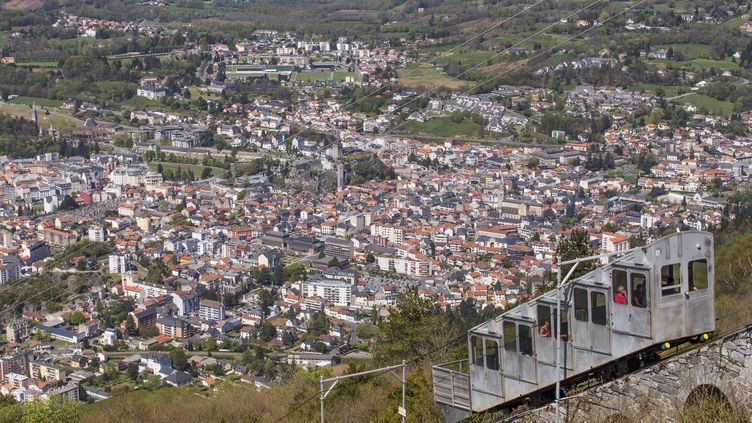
(660, 392)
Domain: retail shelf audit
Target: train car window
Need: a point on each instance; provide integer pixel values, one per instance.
(698, 275)
(639, 286)
(526, 340)
(580, 304)
(619, 282)
(670, 279)
(598, 307)
(492, 355)
(544, 320)
(477, 343)
(564, 324)
(510, 336)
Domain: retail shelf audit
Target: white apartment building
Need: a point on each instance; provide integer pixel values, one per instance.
(118, 263)
(405, 266)
(393, 234)
(336, 291)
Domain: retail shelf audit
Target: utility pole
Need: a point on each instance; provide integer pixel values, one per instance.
(323, 395)
(404, 382)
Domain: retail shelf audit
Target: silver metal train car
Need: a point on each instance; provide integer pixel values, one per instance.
(611, 318)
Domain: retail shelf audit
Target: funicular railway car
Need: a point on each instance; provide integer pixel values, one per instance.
(612, 319)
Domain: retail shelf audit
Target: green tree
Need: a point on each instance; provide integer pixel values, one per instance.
(415, 329)
(68, 203)
(319, 324)
(132, 370)
(267, 331)
(576, 246)
(56, 410)
(75, 318)
(130, 325)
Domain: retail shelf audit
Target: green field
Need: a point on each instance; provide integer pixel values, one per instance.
(691, 51)
(669, 90)
(425, 75)
(466, 58)
(60, 121)
(520, 40)
(444, 127)
(28, 101)
(196, 93)
(700, 63)
(325, 76)
(705, 102)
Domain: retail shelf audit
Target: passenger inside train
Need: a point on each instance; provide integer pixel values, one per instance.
(545, 330)
(620, 297)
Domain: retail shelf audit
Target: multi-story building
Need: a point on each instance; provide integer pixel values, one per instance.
(144, 318)
(341, 249)
(10, 268)
(211, 310)
(118, 263)
(11, 364)
(46, 371)
(187, 302)
(17, 330)
(613, 242)
(174, 327)
(393, 234)
(336, 291)
(96, 233)
(58, 237)
(405, 266)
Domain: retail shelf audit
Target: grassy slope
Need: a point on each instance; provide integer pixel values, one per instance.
(424, 75)
(61, 122)
(709, 103)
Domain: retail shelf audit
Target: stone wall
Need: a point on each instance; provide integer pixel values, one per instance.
(660, 392)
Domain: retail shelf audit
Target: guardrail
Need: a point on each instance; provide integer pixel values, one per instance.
(452, 387)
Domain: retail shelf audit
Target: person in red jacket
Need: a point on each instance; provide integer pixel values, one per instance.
(620, 297)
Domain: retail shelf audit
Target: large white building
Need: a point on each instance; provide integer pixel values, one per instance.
(135, 175)
(96, 233)
(337, 291)
(118, 263)
(405, 266)
(211, 310)
(393, 234)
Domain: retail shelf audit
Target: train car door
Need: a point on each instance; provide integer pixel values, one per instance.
(510, 357)
(545, 336)
(528, 365)
(600, 335)
(699, 297)
(485, 373)
(519, 351)
(620, 308)
(581, 332)
(639, 304)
